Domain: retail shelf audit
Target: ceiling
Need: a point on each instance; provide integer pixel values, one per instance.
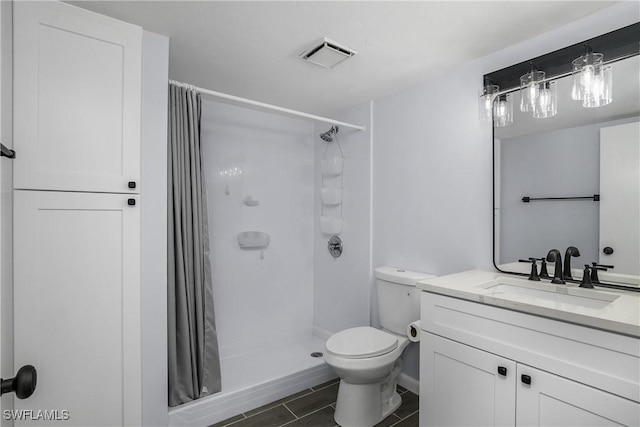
(250, 48)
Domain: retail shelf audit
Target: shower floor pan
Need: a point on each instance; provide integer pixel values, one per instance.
(256, 378)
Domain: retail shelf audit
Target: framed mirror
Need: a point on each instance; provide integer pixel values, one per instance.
(572, 180)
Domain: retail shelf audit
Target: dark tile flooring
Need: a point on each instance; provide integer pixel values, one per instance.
(314, 407)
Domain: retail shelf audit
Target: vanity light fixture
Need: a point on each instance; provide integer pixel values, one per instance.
(592, 79)
(486, 96)
(546, 104)
(503, 110)
(530, 85)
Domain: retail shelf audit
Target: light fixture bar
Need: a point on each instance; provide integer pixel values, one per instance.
(615, 45)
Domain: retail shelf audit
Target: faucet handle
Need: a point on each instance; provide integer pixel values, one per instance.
(586, 278)
(533, 275)
(543, 268)
(594, 271)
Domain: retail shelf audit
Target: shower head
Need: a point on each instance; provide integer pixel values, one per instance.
(328, 135)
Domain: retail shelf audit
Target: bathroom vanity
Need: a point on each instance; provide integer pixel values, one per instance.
(500, 350)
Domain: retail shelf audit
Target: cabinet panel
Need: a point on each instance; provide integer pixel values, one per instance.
(551, 400)
(77, 304)
(77, 88)
(460, 385)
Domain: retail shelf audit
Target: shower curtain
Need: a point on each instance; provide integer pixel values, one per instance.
(194, 362)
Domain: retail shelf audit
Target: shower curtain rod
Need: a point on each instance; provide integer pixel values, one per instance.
(266, 106)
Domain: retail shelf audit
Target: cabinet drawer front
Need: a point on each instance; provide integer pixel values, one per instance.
(77, 94)
(569, 350)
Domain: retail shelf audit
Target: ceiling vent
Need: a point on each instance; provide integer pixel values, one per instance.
(327, 53)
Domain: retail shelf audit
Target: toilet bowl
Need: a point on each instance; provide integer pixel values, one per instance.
(368, 360)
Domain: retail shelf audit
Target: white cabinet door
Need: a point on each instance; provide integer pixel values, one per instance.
(77, 86)
(620, 197)
(550, 400)
(77, 304)
(463, 386)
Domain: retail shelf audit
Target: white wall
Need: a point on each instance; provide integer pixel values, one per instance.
(432, 161)
(258, 299)
(342, 286)
(6, 204)
(155, 71)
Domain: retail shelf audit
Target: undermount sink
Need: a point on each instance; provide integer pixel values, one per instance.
(538, 292)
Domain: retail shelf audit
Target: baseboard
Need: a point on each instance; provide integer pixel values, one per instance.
(323, 334)
(410, 383)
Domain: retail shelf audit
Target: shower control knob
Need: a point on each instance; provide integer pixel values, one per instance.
(608, 250)
(335, 246)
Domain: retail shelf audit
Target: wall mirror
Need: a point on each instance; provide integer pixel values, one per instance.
(572, 180)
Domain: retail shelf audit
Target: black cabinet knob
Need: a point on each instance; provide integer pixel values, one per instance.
(131, 202)
(526, 379)
(502, 371)
(608, 250)
(132, 184)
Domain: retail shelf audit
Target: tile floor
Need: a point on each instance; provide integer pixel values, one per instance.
(314, 407)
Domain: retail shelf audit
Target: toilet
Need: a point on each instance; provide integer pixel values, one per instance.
(367, 359)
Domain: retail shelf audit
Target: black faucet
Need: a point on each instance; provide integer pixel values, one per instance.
(572, 251)
(534, 269)
(586, 278)
(555, 257)
(594, 271)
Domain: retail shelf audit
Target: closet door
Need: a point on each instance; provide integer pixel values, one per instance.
(77, 84)
(77, 305)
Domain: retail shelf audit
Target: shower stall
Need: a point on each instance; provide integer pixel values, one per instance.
(261, 183)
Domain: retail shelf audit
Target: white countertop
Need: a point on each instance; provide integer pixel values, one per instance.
(621, 315)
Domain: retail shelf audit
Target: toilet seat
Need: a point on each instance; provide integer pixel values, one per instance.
(361, 342)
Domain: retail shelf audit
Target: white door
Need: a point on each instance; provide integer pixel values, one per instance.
(550, 400)
(77, 83)
(464, 386)
(77, 305)
(620, 197)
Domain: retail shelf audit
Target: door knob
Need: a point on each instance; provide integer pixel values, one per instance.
(24, 383)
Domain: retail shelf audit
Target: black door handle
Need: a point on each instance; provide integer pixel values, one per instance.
(526, 379)
(132, 184)
(24, 383)
(502, 371)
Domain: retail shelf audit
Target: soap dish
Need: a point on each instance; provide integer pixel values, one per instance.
(332, 166)
(253, 240)
(331, 196)
(329, 225)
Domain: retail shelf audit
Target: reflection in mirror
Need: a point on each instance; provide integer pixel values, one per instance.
(580, 152)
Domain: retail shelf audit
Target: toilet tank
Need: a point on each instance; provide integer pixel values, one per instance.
(398, 297)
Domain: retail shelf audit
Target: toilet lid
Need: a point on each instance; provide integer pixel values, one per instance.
(361, 342)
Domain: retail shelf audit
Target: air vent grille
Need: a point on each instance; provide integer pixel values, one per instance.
(327, 53)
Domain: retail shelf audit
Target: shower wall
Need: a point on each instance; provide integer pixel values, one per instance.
(261, 159)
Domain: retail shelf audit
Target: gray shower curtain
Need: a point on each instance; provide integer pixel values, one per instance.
(194, 363)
